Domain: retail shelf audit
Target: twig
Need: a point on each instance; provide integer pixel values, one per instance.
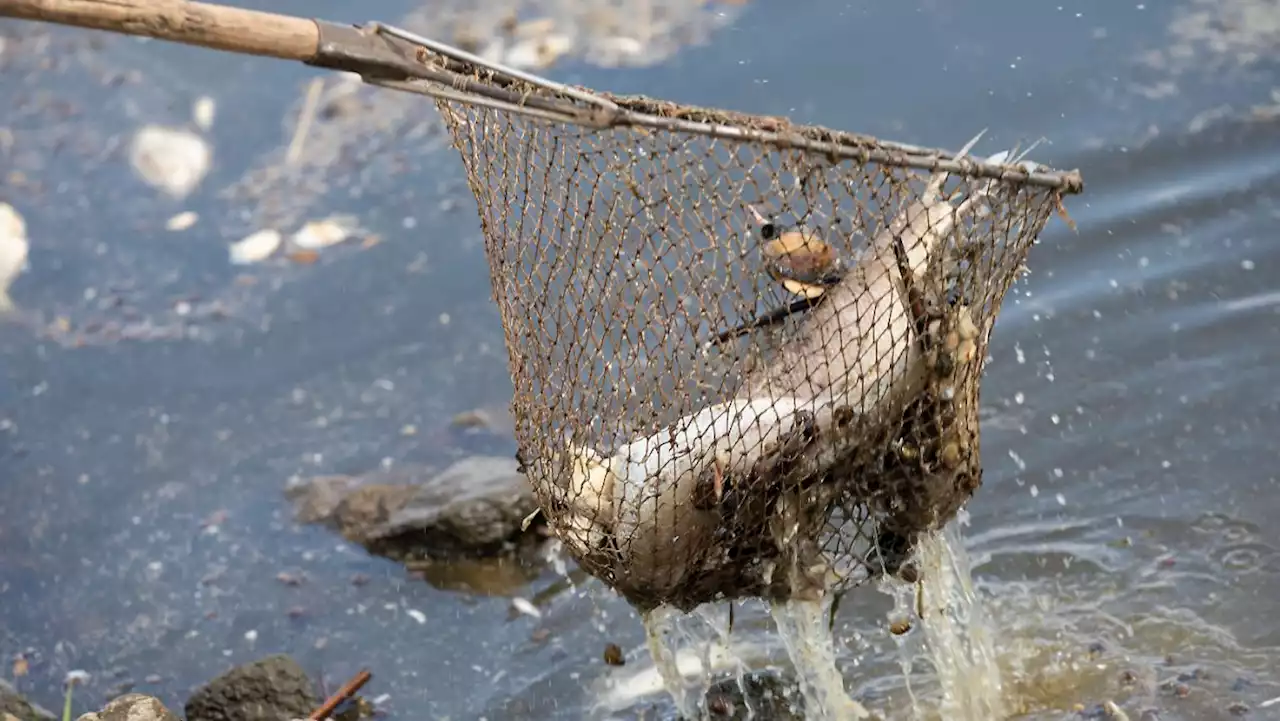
(348, 690)
(304, 121)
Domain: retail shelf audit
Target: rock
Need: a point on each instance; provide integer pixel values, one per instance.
(473, 509)
(14, 706)
(270, 689)
(132, 707)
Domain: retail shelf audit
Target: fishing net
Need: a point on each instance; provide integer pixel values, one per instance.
(746, 354)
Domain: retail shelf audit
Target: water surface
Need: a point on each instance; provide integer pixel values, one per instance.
(1125, 519)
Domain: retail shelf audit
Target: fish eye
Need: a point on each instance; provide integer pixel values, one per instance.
(769, 231)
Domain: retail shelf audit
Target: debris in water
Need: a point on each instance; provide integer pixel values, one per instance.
(76, 676)
(613, 655)
(309, 104)
(900, 626)
(203, 111)
(20, 666)
(256, 247)
(1114, 712)
(170, 159)
(320, 234)
(348, 690)
(416, 615)
(523, 605)
(182, 221)
(13, 251)
(304, 257)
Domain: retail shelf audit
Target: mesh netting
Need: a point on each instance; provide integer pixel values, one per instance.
(741, 368)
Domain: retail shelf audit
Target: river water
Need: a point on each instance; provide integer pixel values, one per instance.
(1123, 537)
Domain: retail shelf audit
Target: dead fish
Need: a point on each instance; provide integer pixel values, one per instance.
(660, 533)
(872, 308)
(797, 258)
(586, 501)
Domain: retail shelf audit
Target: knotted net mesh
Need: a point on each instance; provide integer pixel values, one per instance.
(742, 368)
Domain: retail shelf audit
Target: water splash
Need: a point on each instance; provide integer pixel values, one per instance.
(660, 628)
(804, 629)
(958, 641)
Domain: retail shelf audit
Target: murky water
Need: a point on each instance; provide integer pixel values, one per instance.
(1122, 544)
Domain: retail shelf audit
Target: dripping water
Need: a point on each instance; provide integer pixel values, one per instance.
(804, 629)
(952, 642)
(954, 637)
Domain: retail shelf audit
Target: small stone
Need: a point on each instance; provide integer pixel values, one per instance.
(132, 707)
(1237, 709)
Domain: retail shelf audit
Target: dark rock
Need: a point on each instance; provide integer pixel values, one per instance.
(761, 696)
(473, 509)
(132, 707)
(13, 704)
(271, 689)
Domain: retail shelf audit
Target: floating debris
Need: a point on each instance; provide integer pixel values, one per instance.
(182, 221)
(256, 247)
(202, 112)
(170, 159)
(538, 53)
(525, 606)
(13, 251)
(613, 655)
(304, 257)
(1113, 712)
(320, 234)
(416, 615)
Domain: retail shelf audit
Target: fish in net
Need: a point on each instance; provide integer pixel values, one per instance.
(746, 354)
(742, 369)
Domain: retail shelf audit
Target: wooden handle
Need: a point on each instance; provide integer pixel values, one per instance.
(193, 23)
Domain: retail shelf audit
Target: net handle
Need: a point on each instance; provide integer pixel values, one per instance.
(219, 27)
